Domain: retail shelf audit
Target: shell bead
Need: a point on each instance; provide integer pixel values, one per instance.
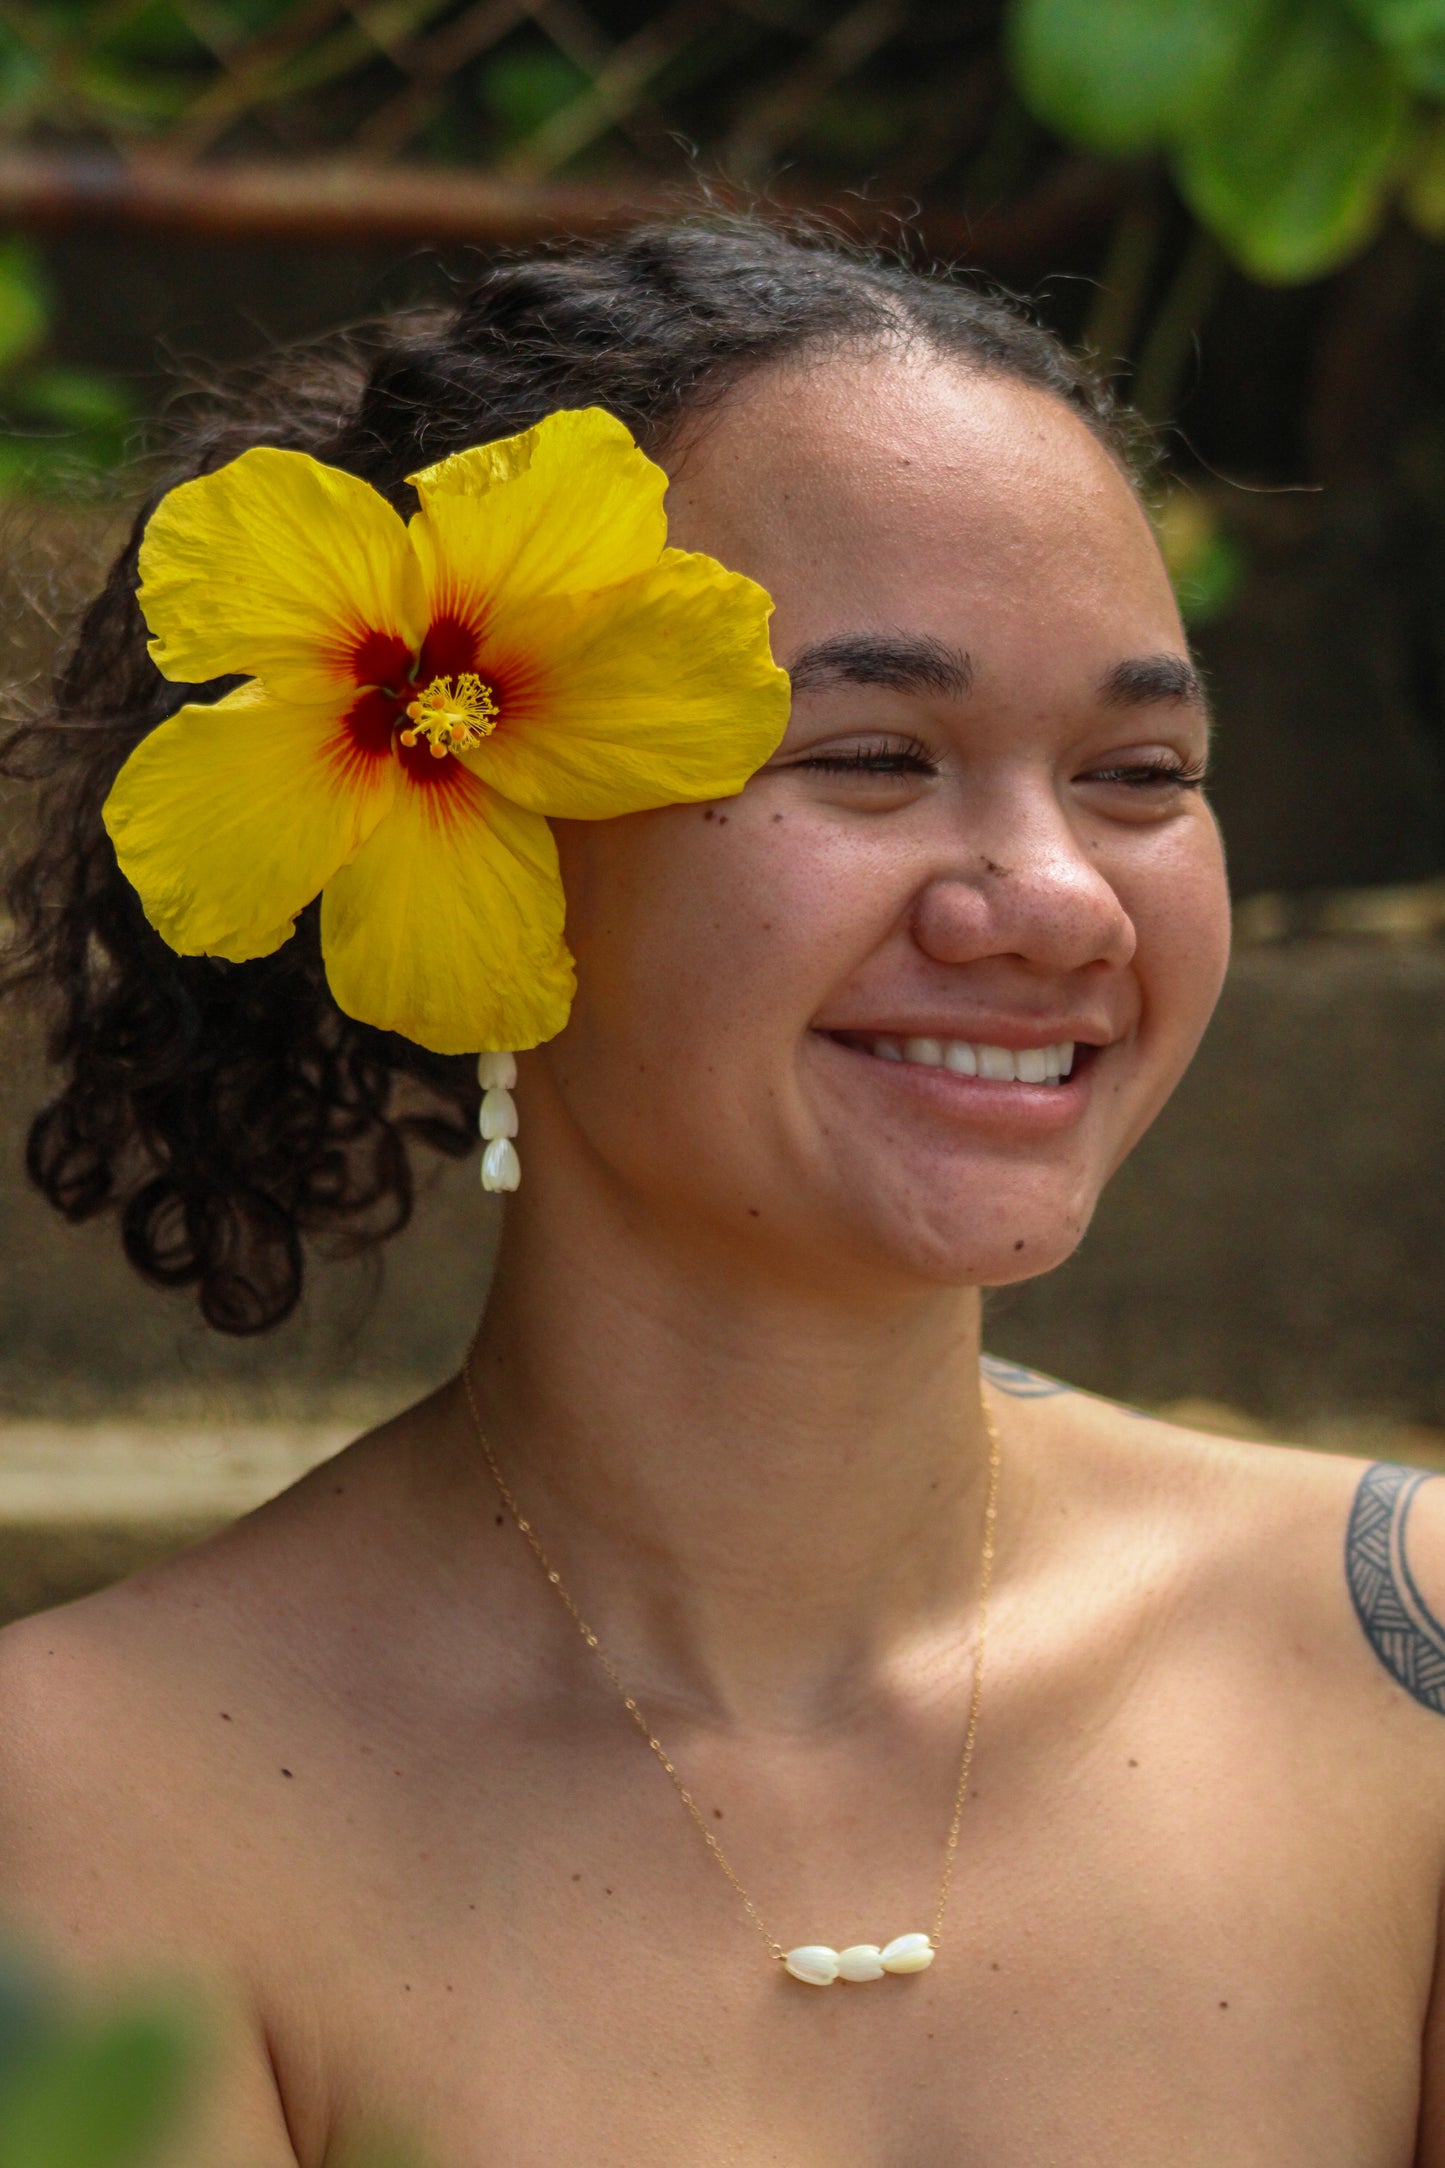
(819, 1964)
(907, 1953)
(813, 1962)
(499, 1070)
(501, 1168)
(498, 1114)
(861, 1961)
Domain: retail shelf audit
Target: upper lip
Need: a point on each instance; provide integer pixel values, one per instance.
(1016, 1033)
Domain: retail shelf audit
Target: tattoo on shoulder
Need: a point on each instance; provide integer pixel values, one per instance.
(1399, 1625)
(1023, 1384)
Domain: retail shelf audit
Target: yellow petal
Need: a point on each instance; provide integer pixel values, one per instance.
(280, 568)
(652, 693)
(228, 819)
(447, 926)
(569, 505)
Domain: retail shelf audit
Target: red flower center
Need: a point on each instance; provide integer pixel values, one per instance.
(394, 682)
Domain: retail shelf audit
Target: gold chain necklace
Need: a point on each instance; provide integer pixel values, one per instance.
(816, 1963)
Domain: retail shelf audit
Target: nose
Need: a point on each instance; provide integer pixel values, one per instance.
(1029, 890)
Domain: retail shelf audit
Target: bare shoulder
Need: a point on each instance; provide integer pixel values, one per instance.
(190, 1760)
(123, 1859)
(145, 1728)
(1331, 1568)
(116, 1780)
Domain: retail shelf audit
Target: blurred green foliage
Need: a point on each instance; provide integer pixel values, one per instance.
(84, 2091)
(524, 88)
(60, 429)
(1205, 562)
(1289, 126)
(112, 2089)
(142, 63)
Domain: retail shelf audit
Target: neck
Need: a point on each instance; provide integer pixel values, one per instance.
(762, 1501)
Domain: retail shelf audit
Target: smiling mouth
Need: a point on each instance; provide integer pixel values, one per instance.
(971, 1057)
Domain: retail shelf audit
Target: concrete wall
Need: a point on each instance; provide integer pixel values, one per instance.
(1277, 1242)
(1278, 1239)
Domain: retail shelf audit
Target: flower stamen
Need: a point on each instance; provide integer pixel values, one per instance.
(453, 718)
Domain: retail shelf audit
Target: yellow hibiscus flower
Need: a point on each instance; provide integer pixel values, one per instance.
(421, 697)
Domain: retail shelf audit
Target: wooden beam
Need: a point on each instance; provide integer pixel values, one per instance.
(309, 202)
(315, 203)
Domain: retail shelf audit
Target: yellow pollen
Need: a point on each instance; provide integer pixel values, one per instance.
(452, 717)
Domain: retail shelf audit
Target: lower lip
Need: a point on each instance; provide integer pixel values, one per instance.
(1036, 1109)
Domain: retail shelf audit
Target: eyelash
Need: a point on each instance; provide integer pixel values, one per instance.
(1149, 774)
(884, 756)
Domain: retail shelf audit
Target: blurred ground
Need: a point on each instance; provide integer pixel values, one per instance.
(83, 1504)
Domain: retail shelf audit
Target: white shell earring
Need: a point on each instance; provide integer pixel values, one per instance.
(497, 1121)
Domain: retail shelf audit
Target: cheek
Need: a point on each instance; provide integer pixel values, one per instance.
(695, 922)
(1180, 908)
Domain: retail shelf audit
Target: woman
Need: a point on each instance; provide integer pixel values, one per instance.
(847, 1045)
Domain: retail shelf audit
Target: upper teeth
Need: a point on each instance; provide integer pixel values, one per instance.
(999, 1064)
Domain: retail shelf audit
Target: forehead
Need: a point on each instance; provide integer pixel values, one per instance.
(903, 490)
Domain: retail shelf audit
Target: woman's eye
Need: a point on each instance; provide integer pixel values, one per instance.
(1150, 775)
(886, 757)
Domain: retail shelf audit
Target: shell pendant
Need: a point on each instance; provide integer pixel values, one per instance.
(497, 1121)
(819, 1965)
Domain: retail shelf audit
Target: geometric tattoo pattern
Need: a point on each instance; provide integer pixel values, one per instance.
(1399, 1625)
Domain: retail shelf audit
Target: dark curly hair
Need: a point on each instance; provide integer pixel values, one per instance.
(227, 1111)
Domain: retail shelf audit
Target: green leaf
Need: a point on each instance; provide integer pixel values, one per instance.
(1126, 75)
(1413, 33)
(153, 35)
(102, 2097)
(137, 91)
(22, 70)
(524, 90)
(56, 22)
(1291, 166)
(1204, 562)
(27, 2008)
(78, 399)
(24, 303)
(1423, 196)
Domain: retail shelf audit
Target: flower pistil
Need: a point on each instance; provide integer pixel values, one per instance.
(453, 716)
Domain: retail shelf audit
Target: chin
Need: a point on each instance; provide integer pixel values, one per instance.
(967, 1236)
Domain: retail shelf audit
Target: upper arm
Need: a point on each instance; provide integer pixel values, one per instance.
(1395, 1569)
(1430, 2143)
(1395, 1566)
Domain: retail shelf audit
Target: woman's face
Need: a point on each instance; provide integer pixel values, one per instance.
(981, 833)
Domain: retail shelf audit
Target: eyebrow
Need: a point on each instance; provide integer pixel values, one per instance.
(905, 662)
(1144, 680)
